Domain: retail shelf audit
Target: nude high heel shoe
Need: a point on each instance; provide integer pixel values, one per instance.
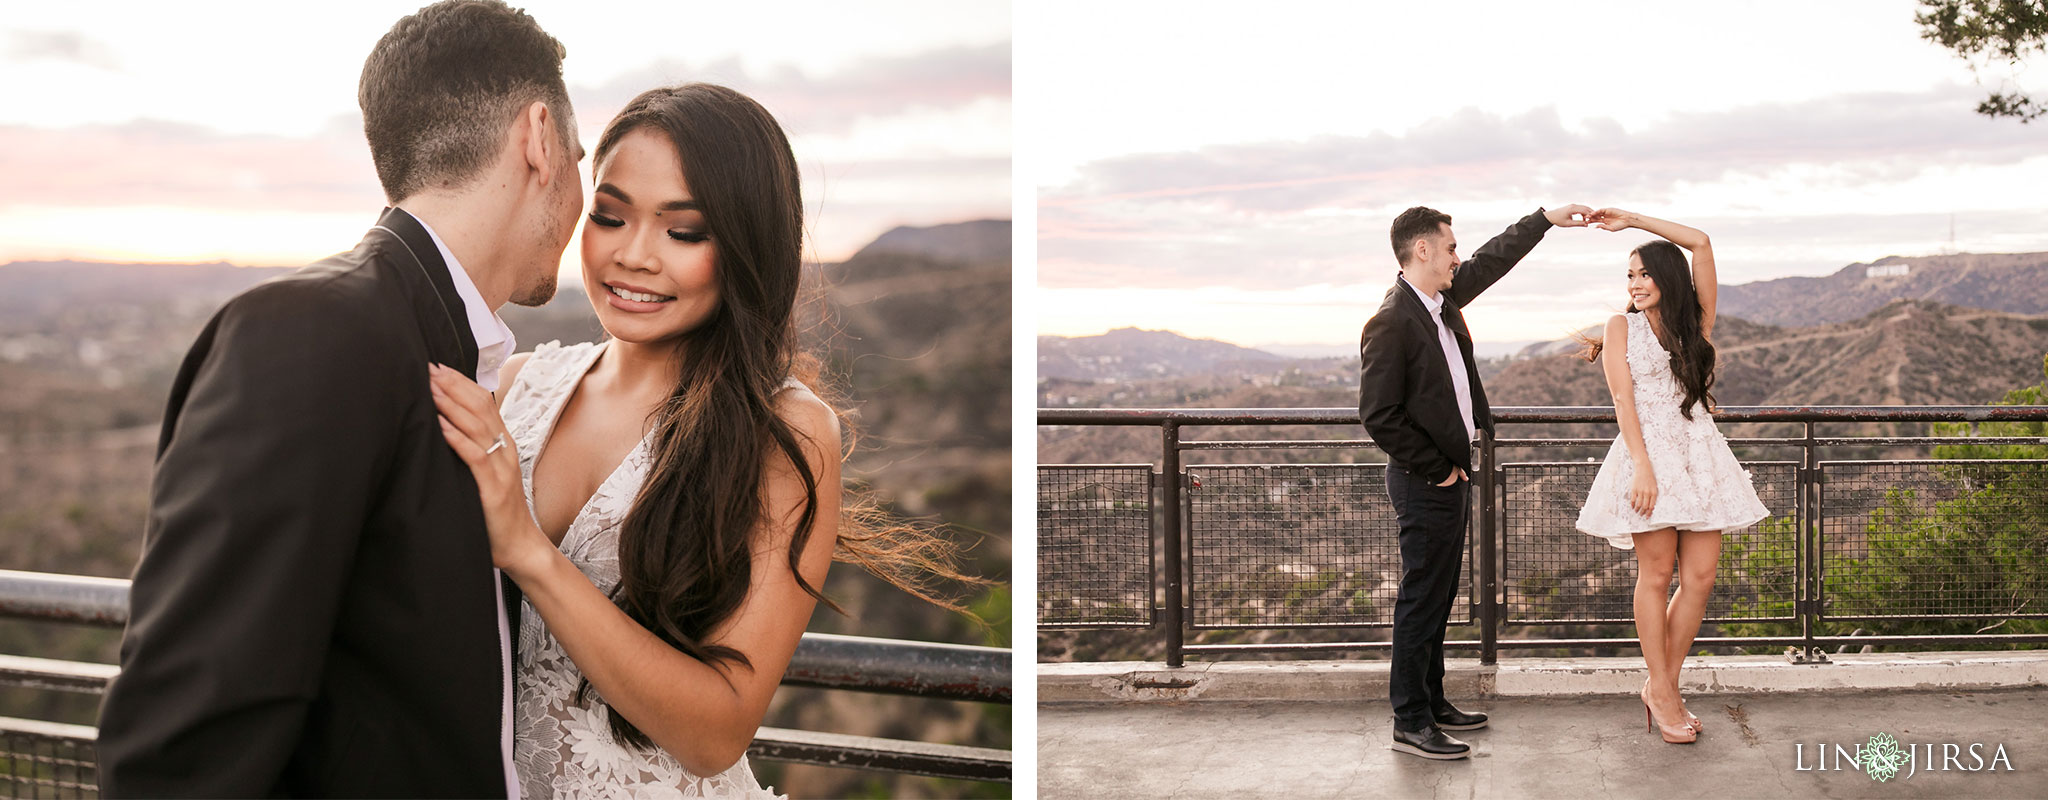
(1683, 734)
(1691, 722)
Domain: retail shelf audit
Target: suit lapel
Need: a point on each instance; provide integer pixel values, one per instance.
(437, 307)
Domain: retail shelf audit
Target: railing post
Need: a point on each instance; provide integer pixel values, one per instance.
(1808, 603)
(1489, 604)
(1170, 473)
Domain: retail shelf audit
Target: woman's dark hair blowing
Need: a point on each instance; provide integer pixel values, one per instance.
(684, 548)
(1679, 318)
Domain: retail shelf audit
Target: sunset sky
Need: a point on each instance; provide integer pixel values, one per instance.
(1237, 178)
(229, 131)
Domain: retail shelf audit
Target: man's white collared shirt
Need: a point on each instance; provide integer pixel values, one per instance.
(494, 344)
(1453, 358)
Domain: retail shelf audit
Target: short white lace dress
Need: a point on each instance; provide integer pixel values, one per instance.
(563, 745)
(1700, 486)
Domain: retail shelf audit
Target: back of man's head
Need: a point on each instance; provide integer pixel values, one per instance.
(1414, 224)
(443, 85)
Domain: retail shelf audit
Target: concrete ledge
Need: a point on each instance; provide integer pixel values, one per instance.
(1137, 681)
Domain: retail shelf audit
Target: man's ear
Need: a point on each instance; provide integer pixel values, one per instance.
(537, 127)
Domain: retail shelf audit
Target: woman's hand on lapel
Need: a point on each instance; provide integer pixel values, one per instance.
(472, 426)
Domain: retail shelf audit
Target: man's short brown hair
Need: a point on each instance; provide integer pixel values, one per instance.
(1413, 224)
(442, 85)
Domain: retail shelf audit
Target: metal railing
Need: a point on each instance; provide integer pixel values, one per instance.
(39, 758)
(1297, 546)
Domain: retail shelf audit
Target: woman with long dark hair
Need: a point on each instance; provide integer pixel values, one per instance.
(668, 500)
(1670, 486)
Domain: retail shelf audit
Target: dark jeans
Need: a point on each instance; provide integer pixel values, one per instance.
(1432, 522)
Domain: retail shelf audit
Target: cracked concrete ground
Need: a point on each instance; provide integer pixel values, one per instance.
(1537, 747)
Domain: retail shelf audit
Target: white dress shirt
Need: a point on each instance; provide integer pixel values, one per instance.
(1453, 358)
(494, 344)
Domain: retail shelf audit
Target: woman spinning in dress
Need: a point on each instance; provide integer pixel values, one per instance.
(670, 498)
(1670, 486)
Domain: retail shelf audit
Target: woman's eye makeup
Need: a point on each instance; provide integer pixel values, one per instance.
(677, 234)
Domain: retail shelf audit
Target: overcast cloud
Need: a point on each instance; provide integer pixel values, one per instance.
(1281, 214)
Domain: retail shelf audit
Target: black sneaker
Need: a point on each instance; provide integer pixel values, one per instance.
(1450, 718)
(1430, 742)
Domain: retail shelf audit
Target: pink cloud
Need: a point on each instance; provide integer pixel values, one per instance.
(149, 162)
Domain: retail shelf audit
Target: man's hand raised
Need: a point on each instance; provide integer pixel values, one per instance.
(1571, 216)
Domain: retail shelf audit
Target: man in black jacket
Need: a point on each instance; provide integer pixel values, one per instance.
(1420, 399)
(316, 612)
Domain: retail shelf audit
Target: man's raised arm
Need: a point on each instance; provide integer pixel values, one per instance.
(1500, 254)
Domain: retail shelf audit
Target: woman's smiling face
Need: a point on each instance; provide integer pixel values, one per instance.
(648, 260)
(1642, 291)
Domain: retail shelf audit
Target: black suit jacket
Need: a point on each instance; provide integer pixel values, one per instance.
(1405, 396)
(313, 614)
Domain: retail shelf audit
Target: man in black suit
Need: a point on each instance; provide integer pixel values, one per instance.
(1420, 399)
(316, 612)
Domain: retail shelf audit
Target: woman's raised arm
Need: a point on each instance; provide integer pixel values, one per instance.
(1704, 282)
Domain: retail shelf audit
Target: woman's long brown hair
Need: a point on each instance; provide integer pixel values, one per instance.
(1680, 321)
(684, 548)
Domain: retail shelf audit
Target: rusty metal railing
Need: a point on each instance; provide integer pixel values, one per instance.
(1211, 521)
(43, 758)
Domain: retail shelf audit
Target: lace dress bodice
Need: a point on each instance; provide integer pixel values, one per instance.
(563, 745)
(1700, 485)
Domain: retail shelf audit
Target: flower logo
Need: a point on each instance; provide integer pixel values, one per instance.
(1882, 758)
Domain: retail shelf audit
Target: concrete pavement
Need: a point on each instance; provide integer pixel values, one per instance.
(1560, 728)
(1559, 747)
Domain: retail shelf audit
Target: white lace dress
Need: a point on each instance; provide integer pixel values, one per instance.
(563, 747)
(1700, 486)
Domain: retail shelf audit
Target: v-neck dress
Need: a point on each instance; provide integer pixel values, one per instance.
(563, 744)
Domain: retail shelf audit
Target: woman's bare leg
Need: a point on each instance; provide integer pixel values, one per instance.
(1699, 553)
(1656, 551)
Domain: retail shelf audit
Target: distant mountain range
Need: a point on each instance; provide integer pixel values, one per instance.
(1133, 353)
(2016, 283)
(1907, 351)
(2012, 282)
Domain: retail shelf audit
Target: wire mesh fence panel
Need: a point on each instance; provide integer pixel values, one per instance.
(1095, 546)
(34, 764)
(1297, 546)
(1934, 538)
(1758, 575)
(1553, 572)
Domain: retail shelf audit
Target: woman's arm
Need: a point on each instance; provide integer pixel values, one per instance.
(1614, 362)
(702, 715)
(1704, 282)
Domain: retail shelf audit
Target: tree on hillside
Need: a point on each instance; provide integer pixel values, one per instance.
(1991, 30)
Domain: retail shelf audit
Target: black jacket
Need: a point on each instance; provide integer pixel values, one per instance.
(1405, 396)
(314, 614)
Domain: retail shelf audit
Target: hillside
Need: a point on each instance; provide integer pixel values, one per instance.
(2010, 282)
(1908, 352)
(1128, 354)
(1905, 353)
